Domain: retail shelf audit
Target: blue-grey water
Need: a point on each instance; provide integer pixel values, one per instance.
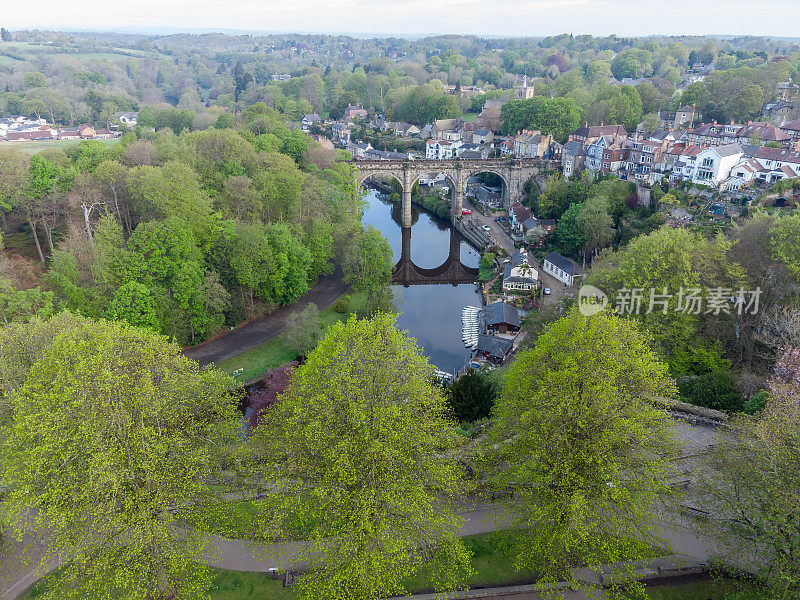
(430, 313)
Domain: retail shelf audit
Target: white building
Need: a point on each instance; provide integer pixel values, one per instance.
(128, 118)
(714, 164)
(519, 274)
(440, 149)
(562, 268)
(686, 164)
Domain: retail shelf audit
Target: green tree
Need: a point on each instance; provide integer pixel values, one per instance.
(472, 396)
(367, 262)
(303, 330)
(14, 167)
(569, 234)
(581, 445)
(623, 105)
(717, 390)
(746, 104)
(785, 241)
(631, 64)
(595, 225)
(753, 493)
(666, 262)
(357, 443)
(115, 438)
(134, 303)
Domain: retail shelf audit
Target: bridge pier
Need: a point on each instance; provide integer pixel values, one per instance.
(405, 215)
(458, 194)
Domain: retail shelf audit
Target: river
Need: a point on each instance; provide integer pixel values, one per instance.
(430, 313)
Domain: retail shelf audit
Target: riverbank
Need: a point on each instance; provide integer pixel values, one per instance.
(254, 333)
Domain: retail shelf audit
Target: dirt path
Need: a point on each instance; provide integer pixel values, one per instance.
(323, 294)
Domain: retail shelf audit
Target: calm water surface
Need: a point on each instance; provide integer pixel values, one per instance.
(430, 313)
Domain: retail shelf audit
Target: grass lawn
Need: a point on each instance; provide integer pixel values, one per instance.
(228, 585)
(714, 589)
(234, 585)
(37, 146)
(272, 353)
(470, 117)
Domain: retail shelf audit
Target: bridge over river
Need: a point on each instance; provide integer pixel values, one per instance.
(514, 173)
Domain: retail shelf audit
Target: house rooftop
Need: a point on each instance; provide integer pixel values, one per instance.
(567, 265)
(493, 346)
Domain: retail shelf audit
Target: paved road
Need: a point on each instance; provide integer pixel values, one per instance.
(256, 332)
(496, 230)
(558, 290)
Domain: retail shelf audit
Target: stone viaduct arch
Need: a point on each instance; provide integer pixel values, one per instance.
(451, 271)
(513, 172)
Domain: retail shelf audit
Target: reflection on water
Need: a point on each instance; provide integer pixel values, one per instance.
(430, 313)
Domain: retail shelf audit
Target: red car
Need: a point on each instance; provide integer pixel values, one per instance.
(466, 211)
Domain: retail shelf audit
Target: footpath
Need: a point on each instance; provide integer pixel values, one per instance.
(256, 332)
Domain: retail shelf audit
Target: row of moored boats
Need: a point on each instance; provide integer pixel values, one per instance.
(470, 326)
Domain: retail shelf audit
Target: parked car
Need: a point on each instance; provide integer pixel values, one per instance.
(546, 291)
(466, 211)
(486, 228)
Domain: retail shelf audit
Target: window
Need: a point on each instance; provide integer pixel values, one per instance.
(708, 162)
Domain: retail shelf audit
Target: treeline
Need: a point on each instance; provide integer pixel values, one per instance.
(204, 75)
(114, 442)
(183, 234)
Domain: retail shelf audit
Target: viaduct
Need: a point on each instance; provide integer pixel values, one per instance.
(514, 173)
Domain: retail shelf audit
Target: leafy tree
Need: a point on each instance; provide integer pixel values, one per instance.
(671, 260)
(786, 243)
(558, 116)
(13, 180)
(582, 445)
(471, 397)
(632, 64)
(22, 305)
(746, 104)
(554, 200)
(134, 303)
(594, 224)
(535, 235)
(303, 330)
(569, 234)
(367, 261)
(623, 105)
(356, 443)
(113, 444)
(379, 300)
(753, 493)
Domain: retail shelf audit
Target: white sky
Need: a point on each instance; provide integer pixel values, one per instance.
(482, 17)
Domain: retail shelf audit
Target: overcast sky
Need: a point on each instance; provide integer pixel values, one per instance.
(419, 17)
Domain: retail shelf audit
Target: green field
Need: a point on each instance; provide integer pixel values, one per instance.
(470, 117)
(272, 353)
(38, 146)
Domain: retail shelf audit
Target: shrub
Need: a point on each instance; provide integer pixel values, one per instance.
(472, 396)
(342, 305)
(756, 402)
(717, 390)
